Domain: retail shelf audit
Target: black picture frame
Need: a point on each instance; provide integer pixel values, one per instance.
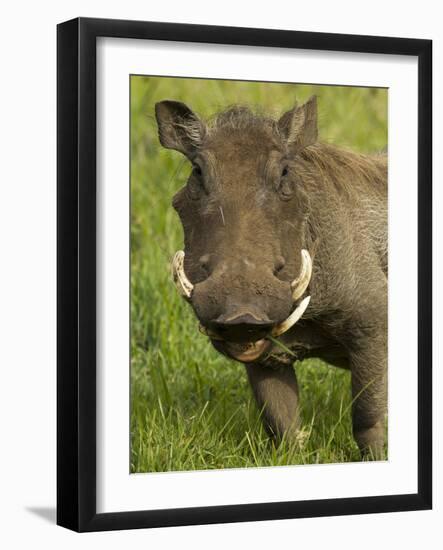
(76, 278)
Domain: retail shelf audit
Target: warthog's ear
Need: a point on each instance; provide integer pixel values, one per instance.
(178, 127)
(299, 125)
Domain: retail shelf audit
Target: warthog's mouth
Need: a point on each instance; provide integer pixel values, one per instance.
(249, 351)
(243, 352)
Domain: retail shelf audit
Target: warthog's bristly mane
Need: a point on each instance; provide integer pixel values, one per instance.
(234, 118)
(334, 163)
(240, 117)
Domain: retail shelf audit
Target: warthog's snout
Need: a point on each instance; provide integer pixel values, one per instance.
(240, 302)
(239, 311)
(241, 326)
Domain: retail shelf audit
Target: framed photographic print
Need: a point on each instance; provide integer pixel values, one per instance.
(244, 274)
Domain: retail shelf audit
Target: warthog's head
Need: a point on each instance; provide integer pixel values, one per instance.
(244, 268)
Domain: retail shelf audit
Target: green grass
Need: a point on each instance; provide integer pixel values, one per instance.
(191, 409)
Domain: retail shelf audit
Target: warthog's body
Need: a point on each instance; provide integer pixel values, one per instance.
(262, 191)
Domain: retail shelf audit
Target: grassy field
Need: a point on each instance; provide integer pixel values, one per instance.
(191, 409)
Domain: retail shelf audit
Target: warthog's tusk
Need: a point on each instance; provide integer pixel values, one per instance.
(300, 284)
(278, 330)
(182, 283)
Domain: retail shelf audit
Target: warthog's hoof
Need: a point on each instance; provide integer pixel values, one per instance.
(371, 441)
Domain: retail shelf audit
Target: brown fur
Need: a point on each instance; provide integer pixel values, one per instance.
(262, 190)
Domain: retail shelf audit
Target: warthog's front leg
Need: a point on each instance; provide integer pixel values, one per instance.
(369, 392)
(276, 393)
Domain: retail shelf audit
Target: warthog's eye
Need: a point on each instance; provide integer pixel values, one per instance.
(195, 185)
(197, 170)
(286, 186)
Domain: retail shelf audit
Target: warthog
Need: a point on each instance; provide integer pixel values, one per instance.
(285, 237)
